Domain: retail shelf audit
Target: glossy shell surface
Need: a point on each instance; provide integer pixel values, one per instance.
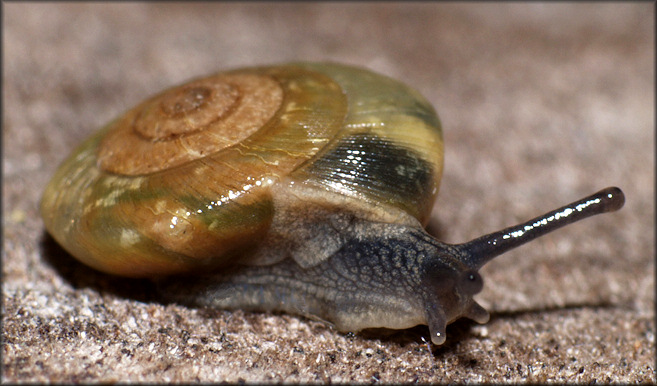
(190, 178)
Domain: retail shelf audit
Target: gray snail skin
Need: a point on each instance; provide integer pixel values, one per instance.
(301, 188)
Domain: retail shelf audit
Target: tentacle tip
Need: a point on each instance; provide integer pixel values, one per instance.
(437, 324)
(438, 337)
(614, 197)
(477, 313)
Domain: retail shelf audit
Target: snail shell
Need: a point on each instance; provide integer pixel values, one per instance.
(185, 179)
(302, 188)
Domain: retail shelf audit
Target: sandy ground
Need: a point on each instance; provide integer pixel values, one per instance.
(541, 104)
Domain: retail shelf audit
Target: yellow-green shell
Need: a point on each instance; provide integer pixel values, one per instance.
(338, 129)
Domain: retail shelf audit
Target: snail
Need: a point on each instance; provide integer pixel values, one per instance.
(302, 188)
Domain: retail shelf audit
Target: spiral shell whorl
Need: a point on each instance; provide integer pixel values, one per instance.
(389, 151)
(189, 122)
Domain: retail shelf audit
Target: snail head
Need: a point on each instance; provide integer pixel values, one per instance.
(453, 281)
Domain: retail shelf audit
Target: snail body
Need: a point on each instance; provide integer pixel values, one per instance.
(301, 188)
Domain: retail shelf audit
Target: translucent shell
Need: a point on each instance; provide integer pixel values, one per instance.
(185, 179)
